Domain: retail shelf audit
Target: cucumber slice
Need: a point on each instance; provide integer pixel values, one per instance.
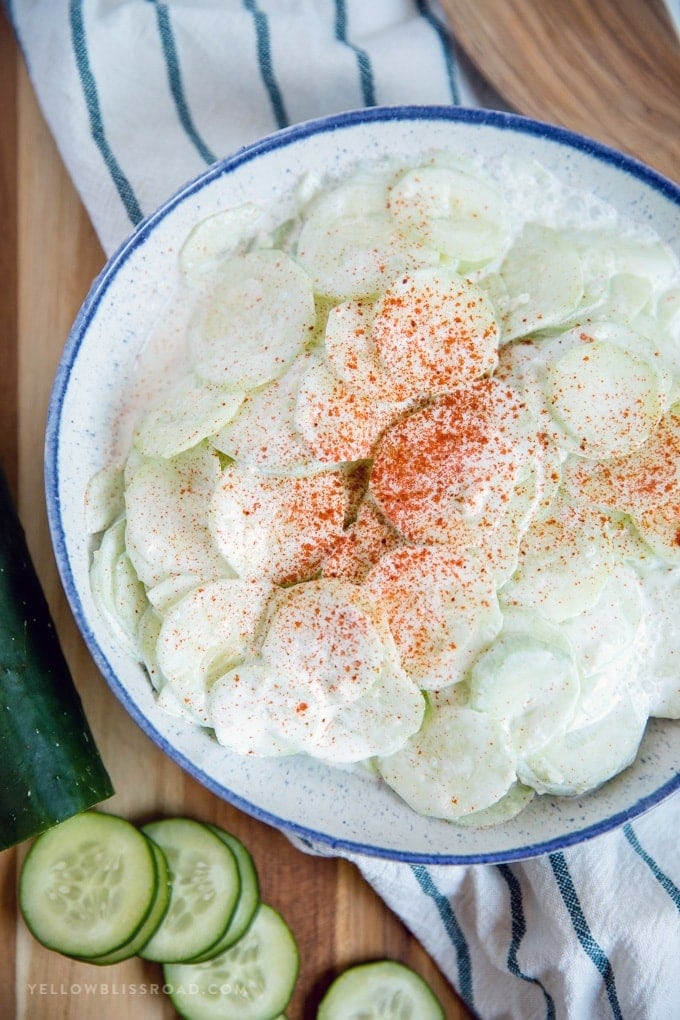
(254, 980)
(350, 244)
(263, 436)
(379, 723)
(249, 898)
(351, 352)
(165, 594)
(205, 890)
(89, 885)
(459, 762)
(455, 212)
(117, 591)
(660, 527)
(527, 679)
(441, 607)
(607, 631)
(585, 757)
(156, 915)
(218, 237)
(206, 633)
(439, 469)
(505, 808)
(338, 424)
(565, 560)
(104, 499)
(606, 399)
(634, 483)
(434, 331)
(149, 629)
(382, 990)
(187, 414)
(277, 528)
(544, 278)
(166, 513)
(246, 707)
(169, 701)
(257, 319)
(327, 636)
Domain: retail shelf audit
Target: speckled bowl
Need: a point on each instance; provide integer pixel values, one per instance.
(336, 808)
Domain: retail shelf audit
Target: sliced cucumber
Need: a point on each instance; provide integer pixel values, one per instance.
(249, 898)
(277, 528)
(529, 680)
(456, 212)
(434, 331)
(544, 279)
(382, 990)
(454, 593)
(104, 499)
(156, 914)
(259, 316)
(254, 980)
(218, 237)
(89, 886)
(459, 762)
(184, 416)
(117, 591)
(166, 529)
(205, 890)
(505, 808)
(351, 246)
(565, 560)
(205, 633)
(351, 353)
(338, 424)
(585, 757)
(606, 399)
(263, 436)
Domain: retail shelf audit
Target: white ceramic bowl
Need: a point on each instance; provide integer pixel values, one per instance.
(337, 808)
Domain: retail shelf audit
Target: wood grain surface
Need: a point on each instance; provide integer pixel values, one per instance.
(609, 69)
(48, 258)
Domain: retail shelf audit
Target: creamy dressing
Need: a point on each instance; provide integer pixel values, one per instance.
(405, 488)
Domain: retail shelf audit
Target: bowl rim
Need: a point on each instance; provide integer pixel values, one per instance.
(281, 138)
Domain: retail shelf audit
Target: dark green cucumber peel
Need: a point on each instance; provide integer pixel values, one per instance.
(50, 768)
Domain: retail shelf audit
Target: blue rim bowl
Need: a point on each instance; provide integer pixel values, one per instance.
(337, 810)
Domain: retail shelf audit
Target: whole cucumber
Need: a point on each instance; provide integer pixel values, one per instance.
(50, 768)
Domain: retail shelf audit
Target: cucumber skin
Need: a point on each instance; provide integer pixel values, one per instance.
(51, 768)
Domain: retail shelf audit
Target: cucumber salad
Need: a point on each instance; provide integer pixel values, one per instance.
(407, 495)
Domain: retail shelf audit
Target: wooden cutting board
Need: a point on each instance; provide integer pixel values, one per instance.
(609, 69)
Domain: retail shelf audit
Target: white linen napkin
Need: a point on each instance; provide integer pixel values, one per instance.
(141, 96)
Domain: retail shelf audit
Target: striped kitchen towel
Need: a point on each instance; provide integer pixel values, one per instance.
(585, 933)
(141, 96)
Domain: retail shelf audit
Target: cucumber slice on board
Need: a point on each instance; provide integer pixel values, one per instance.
(382, 990)
(51, 768)
(249, 897)
(89, 885)
(156, 915)
(254, 980)
(205, 889)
